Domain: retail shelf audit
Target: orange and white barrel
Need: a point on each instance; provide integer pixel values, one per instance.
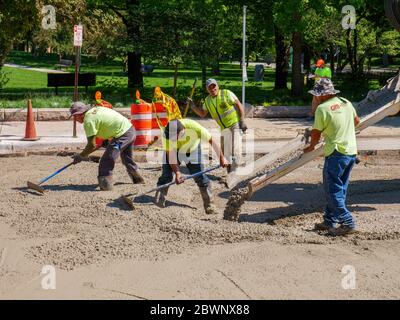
(159, 118)
(101, 103)
(141, 118)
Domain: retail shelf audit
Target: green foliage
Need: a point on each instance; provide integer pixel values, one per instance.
(3, 79)
(14, 23)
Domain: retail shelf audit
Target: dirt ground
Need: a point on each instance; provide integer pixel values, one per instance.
(101, 249)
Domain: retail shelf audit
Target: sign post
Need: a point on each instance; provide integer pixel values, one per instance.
(78, 36)
(244, 69)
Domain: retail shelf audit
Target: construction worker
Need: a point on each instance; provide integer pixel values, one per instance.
(336, 120)
(321, 72)
(107, 124)
(182, 142)
(226, 109)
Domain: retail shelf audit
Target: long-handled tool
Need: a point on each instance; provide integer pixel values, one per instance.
(38, 188)
(129, 199)
(191, 96)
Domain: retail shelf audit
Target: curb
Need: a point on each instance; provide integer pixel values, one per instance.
(46, 114)
(281, 112)
(62, 114)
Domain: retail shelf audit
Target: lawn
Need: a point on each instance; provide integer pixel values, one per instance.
(112, 81)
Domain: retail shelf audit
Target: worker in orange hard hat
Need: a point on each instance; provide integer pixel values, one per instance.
(321, 72)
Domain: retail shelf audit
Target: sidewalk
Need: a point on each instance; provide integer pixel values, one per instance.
(44, 70)
(268, 134)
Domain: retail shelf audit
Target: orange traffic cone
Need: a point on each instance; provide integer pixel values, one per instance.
(30, 130)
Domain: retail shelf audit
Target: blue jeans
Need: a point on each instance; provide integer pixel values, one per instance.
(336, 176)
(194, 165)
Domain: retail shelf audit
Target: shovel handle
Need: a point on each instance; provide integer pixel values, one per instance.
(55, 173)
(184, 179)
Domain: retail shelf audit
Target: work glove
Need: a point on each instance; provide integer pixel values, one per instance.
(242, 126)
(77, 158)
(190, 102)
(105, 143)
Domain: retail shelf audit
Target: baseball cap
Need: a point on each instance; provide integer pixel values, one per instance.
(78, 108)
(210, 82)
(323, 87)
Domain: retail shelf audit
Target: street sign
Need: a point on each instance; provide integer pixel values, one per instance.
(78, 35)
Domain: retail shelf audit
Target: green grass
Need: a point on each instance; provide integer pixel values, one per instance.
(112, 82)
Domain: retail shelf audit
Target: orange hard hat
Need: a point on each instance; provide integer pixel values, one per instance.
(320, 63)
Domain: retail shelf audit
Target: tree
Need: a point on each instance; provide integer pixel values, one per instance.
(292, 17)
(128, 12)
(14, 23)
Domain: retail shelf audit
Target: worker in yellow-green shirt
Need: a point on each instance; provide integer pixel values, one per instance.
(321, 72)
(182, 143)
(107, 124)
(335, 119)
(226, 109)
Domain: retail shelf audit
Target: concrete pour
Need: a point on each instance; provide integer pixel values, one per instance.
(74, 224)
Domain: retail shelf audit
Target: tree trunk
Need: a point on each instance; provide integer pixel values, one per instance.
(332, 58)
(135, 75)
(175, 79)
(297, 76)
(307, 59)
(203, 74)
(216, 68)
(281, 72)
(350, 52)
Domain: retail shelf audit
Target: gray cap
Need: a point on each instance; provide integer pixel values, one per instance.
(79, 108)
(210, 82)
(323, 87)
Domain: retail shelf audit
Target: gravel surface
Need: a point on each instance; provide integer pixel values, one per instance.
(74, 224)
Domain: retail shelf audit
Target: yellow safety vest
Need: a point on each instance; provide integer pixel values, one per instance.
(221, 111)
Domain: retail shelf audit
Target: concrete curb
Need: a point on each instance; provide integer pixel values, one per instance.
(281, 112)
(46, 114)
(62, 114)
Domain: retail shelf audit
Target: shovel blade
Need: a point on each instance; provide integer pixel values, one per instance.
(35, 187)
(129, 201)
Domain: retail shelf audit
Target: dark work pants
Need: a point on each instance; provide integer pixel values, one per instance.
(193, 166)
(122, 145)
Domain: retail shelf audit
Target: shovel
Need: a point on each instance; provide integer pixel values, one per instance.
(129, 199)
(38, 188)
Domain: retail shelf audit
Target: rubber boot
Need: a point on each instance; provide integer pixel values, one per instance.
(105, 183)
(136, 177)
(207, 197)
(160, 198)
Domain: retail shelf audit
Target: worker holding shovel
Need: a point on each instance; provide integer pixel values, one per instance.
(226, 109)
(107, 124)
(182, 142)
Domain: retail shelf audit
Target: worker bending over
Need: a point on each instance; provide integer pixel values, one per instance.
(107, 124)
(182, 143)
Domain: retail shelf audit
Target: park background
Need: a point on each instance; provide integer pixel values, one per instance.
(188, 39)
